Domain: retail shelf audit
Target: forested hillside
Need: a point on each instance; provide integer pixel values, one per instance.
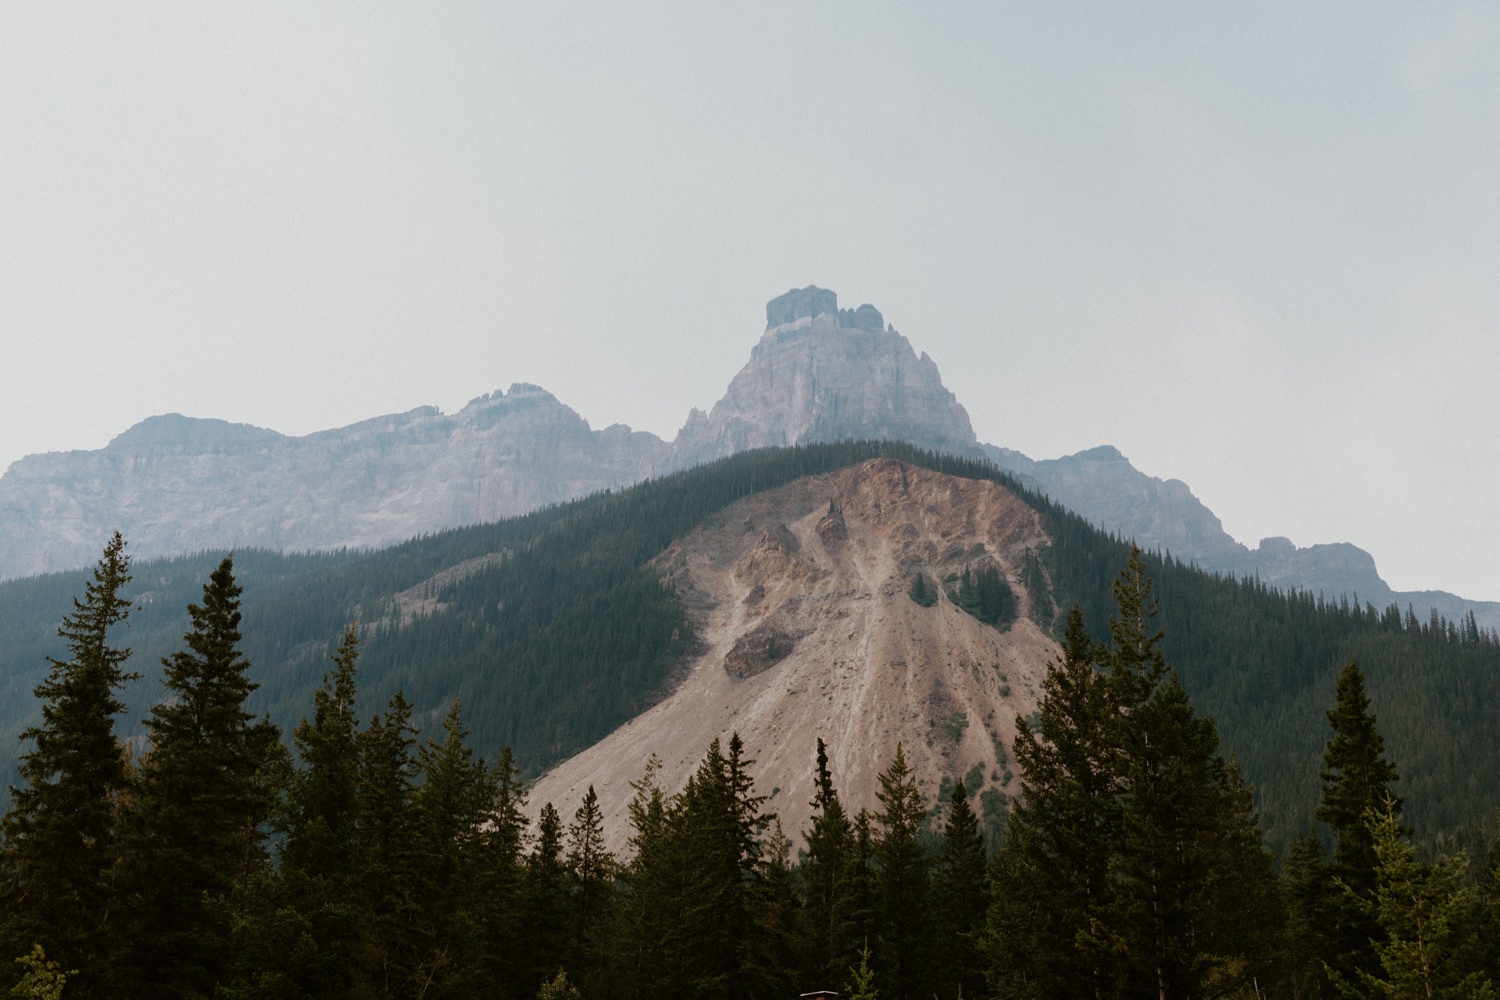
(552, 630)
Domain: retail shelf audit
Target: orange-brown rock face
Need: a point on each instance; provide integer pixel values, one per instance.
(810, 633)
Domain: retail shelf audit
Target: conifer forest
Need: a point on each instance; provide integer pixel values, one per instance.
(1227, 791)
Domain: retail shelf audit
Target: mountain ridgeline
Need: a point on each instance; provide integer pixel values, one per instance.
(556, 627)
(819, 373)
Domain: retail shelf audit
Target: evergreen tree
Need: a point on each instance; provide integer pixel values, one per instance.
(498, 901)
(195, 830)
(1045, 932)
(41, 980)
(1308, 889)
(1189, 863)
(462, 869)
(559, 988)
(1428, 947)
(389, 848)
(769, 962)
(901, 866)
(830, 933)
(592, 869)
(1135, 864)
(959, 900)
(322, 804)
(645, 956)
(710, 928)
(862, 979)
(301, 932)
(545, 933)
(1356, 778)
(61, 830)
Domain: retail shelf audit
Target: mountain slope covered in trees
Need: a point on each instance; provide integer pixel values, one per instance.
(553, 629)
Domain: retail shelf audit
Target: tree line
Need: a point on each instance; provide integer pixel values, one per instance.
(367, 859)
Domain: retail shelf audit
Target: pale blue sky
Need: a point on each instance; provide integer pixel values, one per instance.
(1255, 248)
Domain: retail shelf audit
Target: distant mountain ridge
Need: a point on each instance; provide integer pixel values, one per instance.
(176, 484)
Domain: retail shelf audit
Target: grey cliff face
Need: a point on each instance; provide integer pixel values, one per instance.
(173, 484)
(824, 374)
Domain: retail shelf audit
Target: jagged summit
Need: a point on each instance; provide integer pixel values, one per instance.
(822, 373)
(800, 306)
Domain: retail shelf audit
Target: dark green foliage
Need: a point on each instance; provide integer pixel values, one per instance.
(1310, 896)
(985, 594)
(832, 929)
(1059, 839)
(61, 829)
(1429, 942)
(901, 885)
(922, 592)
(301, 932)
(702, 910)
(959, 898)
(321, 803)
(592, 870)
(390, 851)
(1135, 866)
(194, 825)
(546, 930)
(1034, 578)
(1357, 779)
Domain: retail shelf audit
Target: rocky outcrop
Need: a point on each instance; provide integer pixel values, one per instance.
(821, 374)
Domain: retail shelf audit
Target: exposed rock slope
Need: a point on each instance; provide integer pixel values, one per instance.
(810, 633)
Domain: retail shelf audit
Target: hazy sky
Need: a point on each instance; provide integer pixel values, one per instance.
(1256, 247)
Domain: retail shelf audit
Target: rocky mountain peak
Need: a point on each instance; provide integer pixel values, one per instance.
(821, 373)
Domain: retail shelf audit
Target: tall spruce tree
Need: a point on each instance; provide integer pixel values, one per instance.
(830, 936)
(195, 829)
(455, 803)
(902, 869)
(1357, 779)
(62, 828)
(323, 799)
(959, 900)
(592, 870)
(1136, 855)
(311, 926)
(1045, 934)
(499, 901)
(545, 933)
(389, 848)
(1188, 838)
